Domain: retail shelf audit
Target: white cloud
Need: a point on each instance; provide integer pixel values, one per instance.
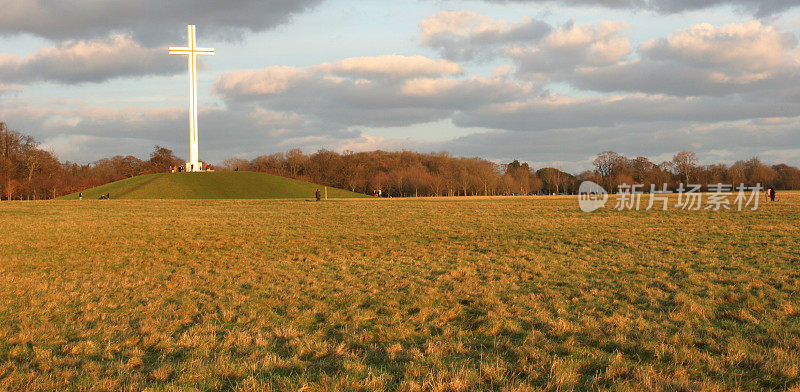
(391, 66)
(465, 35)
(705, 60)
(7, 89)
(88, 61)
(574, 45)
(270, 80)
(366, 93)
(759, 7)
(702, 60)
(750, 46)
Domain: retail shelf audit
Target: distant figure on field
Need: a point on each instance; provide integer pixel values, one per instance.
(771, 194)
(317, 194)
(80, 195)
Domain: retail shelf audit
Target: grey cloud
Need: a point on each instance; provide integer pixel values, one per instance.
(362, 102)
(546, 114)
(466, 35)
(759, 7)
(704, 60)
(572, 46)
(701, 60)
(6, 89)
(674, 78)
(534, 45)
(88, 61)
(575, 147)
(87, 134)
(150, 21)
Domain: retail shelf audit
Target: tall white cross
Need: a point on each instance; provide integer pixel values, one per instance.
(192, 51)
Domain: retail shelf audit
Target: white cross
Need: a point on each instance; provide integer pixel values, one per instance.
(192, 51)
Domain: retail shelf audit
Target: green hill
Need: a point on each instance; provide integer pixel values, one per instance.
(211, 185)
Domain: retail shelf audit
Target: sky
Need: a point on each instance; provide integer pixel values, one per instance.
(549, 82)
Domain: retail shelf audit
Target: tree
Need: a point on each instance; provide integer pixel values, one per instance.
(684, 163)
(608, 164)
(520, 175)
(11, 188)
(486, 174)
(236, 164)
(759, 173)
(294, 161)
(787, 177)
(641, 169)
(554, 179)
(162, 158)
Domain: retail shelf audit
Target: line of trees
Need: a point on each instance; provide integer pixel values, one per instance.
(613, 169)
(407, 173)
(30, 172)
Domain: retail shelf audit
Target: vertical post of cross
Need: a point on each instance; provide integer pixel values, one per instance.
(191, 50)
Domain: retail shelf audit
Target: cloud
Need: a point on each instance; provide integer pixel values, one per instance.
(465, 35)
(254, 83)
(88, 61)
(563, 112)
(704, 60)
(759, 7)
(391, 67)
(574, 148)
(149, 21)
(367, 91)
(7, 89)
(534, 45)
(749, 46)
(572, 46)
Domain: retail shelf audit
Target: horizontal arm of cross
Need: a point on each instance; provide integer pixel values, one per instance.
(185, 50)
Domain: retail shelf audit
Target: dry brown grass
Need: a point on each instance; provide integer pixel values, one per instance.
(506, 294)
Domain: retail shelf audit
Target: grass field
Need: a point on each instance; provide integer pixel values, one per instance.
(210, 185)
(505, 294)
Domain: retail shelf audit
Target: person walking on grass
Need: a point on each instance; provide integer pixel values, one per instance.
(771, 194)
(317, 194)
(80, 195)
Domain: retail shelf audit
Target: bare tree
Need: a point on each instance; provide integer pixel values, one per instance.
(684, 163)
(608, 164)
(295, 160)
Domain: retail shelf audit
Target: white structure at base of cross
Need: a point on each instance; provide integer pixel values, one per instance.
(192, 51)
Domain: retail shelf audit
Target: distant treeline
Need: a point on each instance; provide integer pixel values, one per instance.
(29, 172)
(407, 173)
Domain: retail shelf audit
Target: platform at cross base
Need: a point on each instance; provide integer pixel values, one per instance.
(211, 185)
(196, 167)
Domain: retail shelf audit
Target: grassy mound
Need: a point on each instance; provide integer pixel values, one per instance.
(211, 185)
